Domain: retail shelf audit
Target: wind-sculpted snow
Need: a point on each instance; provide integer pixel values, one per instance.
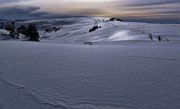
(110, 31)
(135, 74)
(76, 30)
(67, 76)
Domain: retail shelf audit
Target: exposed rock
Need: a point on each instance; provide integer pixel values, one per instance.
(94, 28)
(88, 43)
(115, 19)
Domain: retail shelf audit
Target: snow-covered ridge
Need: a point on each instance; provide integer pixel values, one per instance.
(112, 31)
(76, 30)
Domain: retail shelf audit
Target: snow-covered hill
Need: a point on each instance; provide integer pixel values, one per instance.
(123, 69)
(110, 32)
(76, 30)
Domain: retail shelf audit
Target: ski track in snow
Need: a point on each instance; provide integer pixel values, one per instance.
(33, 94)
(81, 104)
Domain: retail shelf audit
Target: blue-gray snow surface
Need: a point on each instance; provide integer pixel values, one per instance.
(121, 70)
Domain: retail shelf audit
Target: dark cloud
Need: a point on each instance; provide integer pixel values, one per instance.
(20, 12)
(127, 9)
(25, 13)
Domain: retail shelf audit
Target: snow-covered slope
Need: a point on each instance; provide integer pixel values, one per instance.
(134, 74)
(76, 30)
(4, 35)
(57, 76)
(111, 32)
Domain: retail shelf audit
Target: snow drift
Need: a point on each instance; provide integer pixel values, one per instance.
(134, 74)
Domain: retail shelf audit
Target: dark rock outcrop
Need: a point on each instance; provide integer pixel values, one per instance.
(88, 43)
(115, 19)
(94, 28)
(32, 33)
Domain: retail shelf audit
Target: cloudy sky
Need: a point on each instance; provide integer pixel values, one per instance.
(128, 9)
